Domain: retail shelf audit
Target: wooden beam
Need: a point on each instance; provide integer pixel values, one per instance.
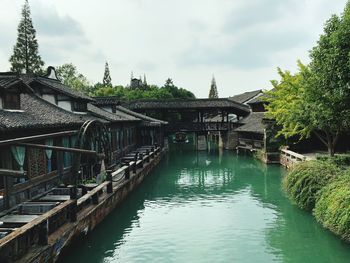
(58, 148)
(37, 137)
(13, 173)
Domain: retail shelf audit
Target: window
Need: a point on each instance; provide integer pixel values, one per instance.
(79, 106)
(11, 101)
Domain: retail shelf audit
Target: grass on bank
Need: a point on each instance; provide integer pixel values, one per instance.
(323, 186)
(332, 208)
(306, 179)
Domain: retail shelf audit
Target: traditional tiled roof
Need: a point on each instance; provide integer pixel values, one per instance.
(61, 88)
(113, 117)
(108, 100)
(223, 103)
(9, 79)
(37, 113)
(258, 99)
(246, 96)
(140, 116)
(252, 123)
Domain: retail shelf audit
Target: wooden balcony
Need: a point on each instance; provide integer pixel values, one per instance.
(250, 144)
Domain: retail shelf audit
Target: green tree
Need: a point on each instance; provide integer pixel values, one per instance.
(287, 105)
(26, 56)
(107, 80)
(327, 91)
(213, 93)
(177, 93)
(316, 99)
(70, 76)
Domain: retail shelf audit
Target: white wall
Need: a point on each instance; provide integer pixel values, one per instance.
(67, 105)
(50, 98)
(107, 108)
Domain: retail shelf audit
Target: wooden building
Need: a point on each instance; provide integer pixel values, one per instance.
(40, 120)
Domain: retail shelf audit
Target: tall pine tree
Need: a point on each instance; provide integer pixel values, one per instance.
(26, 56)
(107, 80)
(213, 93)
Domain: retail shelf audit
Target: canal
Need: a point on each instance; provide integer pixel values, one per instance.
(209, 207)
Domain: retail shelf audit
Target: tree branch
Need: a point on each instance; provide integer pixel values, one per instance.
(323, 140)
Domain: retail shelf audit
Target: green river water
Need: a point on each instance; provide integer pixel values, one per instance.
(209, 207)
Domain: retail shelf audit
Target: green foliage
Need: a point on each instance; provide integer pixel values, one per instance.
(316, 99)
(107, 80)
(341, 160)
(286, 104)
(332, 208)
(168, 91)
(304, 181)
(26, 56)
(70, 76)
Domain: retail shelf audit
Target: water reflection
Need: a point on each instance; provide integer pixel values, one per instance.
(210, 207)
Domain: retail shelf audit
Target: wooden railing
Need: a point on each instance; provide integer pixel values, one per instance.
(201, 126)
(250, 143)
(36, 233)
(289, 158)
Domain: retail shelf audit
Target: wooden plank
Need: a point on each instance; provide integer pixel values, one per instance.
(55, 198)
(58, 148)
(120, 170)
(18, 219)
(37, 137)
(294, 154)
(87, 196)
(13, 173)
(37, 221)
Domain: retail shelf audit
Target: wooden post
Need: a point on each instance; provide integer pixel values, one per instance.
(110, 184)
(141, 158)
(127, 172)
(60, 164)
(73, 208)
(44, 233)
(147, 153)
(134, 165)
(94, 198)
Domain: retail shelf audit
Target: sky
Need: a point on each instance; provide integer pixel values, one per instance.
(240, 42)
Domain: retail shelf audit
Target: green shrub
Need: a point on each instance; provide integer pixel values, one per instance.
(338, 159)
(332, 208)
(304, 180)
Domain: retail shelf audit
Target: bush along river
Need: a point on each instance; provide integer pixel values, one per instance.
(210, 207)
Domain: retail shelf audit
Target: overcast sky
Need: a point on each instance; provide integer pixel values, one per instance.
(241, 42)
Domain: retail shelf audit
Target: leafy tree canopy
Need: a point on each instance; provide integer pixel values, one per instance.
(316, 99)
(70, 76)
(167, 91)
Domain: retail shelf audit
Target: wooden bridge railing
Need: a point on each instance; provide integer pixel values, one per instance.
(201, 126)
(289, 158)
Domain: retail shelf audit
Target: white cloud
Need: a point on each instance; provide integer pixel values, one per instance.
(241, 42)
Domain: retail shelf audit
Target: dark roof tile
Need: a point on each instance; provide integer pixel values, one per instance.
(37, 113)
(252, 123)
(140, 116)
(246, 96)
(113, 117)
(58, 86)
